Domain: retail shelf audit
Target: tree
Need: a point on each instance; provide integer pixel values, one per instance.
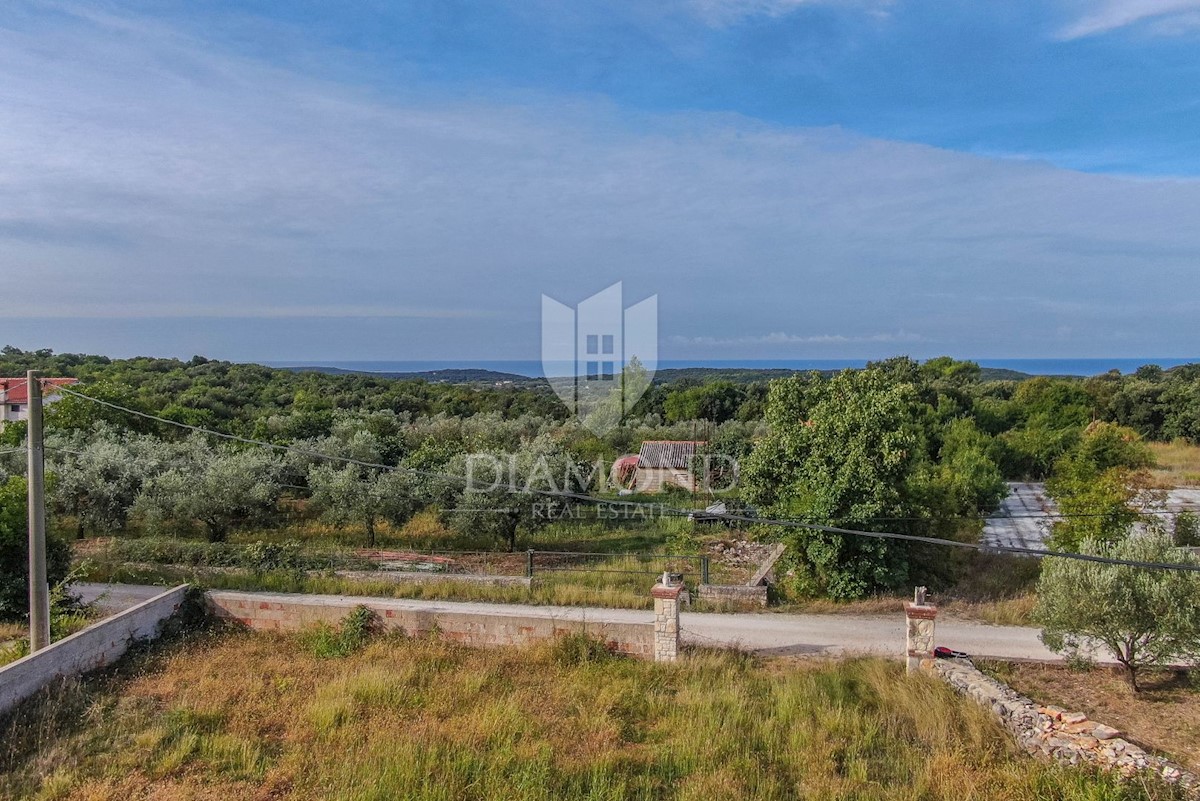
(97, 485)
(843, 452)
(349, 494)
(970, 478)
(14, 552)
(507, 493)
(228, 489)
(1095, 484)
(1143, 616)
(716, 401)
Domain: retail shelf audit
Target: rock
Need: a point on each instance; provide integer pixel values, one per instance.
(1073, 717)
(1102, 732)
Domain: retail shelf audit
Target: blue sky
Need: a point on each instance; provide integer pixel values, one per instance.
(793, 178)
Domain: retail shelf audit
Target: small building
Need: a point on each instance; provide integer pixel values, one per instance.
(14, 396)
(663, 463)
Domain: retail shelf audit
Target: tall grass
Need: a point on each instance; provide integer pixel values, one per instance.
(255, 716)
(1176, 463)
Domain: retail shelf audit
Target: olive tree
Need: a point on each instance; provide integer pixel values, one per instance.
(349, 495)
(225, 490)
(504, 493)
(1143, 616)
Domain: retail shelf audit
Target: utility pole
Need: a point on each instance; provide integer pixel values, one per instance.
(39, 589)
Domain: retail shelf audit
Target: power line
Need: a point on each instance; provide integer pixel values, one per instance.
(662, 509)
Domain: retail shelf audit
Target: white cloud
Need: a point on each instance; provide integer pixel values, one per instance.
(1164, 16)
(146, 174)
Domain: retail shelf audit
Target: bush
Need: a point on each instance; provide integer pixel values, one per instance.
(327, 642)
(14, 552)
(1186, 532)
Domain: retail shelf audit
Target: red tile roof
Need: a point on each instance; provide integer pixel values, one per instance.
(13, 390)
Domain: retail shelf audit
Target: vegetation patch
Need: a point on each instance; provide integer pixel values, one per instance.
(261, 716)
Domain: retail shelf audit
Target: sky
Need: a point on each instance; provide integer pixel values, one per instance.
(314, 181)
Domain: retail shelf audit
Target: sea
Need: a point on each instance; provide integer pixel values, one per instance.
(534, 369)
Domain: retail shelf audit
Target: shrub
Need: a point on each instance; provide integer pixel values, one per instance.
(14, 552)
(1186, 532)
(327, 642)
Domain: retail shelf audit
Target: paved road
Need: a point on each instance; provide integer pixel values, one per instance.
(764, 632)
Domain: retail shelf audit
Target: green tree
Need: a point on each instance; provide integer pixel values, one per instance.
(350, 495)
(845, 452)
(1143, 616)
(1095, 485)
(228, 489)
(14, 552)
(506, 493)
(716, 401)
(971, 481)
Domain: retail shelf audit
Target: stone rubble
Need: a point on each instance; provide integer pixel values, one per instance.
(1053, 733)
(741, 553)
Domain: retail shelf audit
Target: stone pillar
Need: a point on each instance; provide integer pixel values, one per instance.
(919, 618)
(666, 619)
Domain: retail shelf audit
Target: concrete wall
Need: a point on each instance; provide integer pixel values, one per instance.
(740, 595)
(472, 624)
(98, 645)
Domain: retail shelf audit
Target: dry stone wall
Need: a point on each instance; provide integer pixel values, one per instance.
(1052, 733)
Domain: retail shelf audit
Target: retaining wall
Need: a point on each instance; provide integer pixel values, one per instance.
(94, 647)
(459, 622)
(735, 594)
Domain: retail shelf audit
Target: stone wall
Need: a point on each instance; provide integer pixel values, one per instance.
(1052, 733)
(465, 623)
(94, 647)
(739, 595)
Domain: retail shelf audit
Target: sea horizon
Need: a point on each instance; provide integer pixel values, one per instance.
(533, 369)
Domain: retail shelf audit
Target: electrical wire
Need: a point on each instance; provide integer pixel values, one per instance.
(665, 510)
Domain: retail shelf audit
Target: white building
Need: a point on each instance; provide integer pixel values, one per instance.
(14, 396)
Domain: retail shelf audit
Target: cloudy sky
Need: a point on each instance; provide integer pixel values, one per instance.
(307, 180)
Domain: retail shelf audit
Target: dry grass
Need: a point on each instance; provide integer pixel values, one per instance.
(1164, 717)
(245, 716)
(1176, 464)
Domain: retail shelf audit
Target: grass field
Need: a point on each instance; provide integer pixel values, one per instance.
(1176, 464)
(249, 716)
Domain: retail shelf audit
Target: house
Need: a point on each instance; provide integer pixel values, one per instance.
(666, 462)
(14, 396)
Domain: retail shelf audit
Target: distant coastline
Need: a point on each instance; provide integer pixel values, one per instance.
(533, 369)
